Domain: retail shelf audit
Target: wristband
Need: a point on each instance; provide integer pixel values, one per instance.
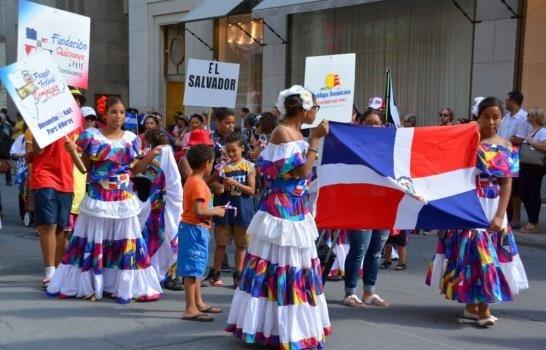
(309, 149)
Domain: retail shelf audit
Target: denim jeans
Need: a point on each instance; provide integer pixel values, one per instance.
(367, 245)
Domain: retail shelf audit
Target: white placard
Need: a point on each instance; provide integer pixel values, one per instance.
(65, 35)
(40, 93)
(211, 83)
(332, 80)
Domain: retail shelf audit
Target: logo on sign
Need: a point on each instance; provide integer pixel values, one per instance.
(333, 93)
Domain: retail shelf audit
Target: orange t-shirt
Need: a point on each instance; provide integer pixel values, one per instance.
(52, 168)
(195, 188)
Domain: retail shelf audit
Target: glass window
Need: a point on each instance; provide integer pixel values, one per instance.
(235, 46)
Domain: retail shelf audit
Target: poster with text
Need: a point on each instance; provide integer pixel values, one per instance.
(332, 80)
(62, 34)
(40, 93)
(211, 83)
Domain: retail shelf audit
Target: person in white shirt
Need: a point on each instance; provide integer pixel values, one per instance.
(514, 127)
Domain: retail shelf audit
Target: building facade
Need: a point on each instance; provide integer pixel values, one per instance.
(108, 62)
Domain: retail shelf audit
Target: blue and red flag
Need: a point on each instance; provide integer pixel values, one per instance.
(403, 178)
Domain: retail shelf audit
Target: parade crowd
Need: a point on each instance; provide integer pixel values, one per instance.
(124, 215)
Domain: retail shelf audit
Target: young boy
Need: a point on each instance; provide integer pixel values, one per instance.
(239, 182)
(193, 233)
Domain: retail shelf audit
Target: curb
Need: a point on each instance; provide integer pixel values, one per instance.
(526, 241)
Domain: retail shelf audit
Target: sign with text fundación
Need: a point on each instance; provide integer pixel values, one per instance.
(63, 35)
(211, 83)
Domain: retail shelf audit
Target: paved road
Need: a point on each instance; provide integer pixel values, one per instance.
(418, 319)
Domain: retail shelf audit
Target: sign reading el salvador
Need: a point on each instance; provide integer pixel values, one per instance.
(405, 178)
(332, 80)
(211, 83)
(64, 35)
(40, 93)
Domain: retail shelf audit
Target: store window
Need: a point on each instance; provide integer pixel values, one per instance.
(239, 41)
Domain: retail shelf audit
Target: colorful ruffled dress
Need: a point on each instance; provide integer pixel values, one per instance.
(160, 214)
(106, 253)
(476, 266)
(280, 300)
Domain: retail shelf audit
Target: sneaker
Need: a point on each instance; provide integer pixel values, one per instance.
(175, 284)
(236, 279)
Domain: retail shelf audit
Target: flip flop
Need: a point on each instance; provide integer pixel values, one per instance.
(199, 318)
(400, 267)
(353, 301)
(375, 300)
(212, 310)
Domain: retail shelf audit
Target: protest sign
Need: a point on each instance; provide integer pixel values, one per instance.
(211, 83)
(332, 80)
(64, 35)
(38, 90)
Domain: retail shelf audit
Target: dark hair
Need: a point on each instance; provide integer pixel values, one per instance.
(198, 116)
(412, 119)
(369, 112)
(251, 120)
(516, 96)
(235, 137)
(113, 100)
(156, 137)
(245, 110)
(489, 102)
(267, 123)
(463, 120)
(198, 155)
(222, 113)
(151, 116)
(293, 105)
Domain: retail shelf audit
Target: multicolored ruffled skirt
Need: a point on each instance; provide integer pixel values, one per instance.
(466, 268)
(280, 299)
(106, 255)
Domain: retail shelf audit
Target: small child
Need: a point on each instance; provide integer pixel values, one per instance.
(238, 184)
(399, 239)
(193, 233)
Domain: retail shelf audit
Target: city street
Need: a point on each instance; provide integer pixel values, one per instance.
(418, 319)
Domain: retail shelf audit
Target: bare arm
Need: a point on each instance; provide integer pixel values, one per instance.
(505, 190)
(205, 212)
(140, 166)
(249, 189)
(184, 168)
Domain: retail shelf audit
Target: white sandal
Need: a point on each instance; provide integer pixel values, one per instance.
(471, 316)
(486, 322)
(375, 300)
(352, 301)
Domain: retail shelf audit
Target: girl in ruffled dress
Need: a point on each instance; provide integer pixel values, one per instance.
(107, 253)
(480, 267)
(160, 215)
(280, 300)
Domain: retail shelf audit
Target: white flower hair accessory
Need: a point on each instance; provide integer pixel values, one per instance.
(476, 105)
(305, 95)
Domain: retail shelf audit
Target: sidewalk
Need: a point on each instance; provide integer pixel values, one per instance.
(537, 240)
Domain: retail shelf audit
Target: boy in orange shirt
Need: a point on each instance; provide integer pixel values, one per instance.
(194, 235)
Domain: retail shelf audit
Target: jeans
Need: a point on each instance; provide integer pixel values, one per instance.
(530, 182)
(367, 245)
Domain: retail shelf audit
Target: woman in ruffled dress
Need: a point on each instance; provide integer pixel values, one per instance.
(107, 253)
(280, 300)
(480, 267)
(160, 215)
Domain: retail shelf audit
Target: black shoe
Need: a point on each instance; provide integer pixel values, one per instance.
(176, 284)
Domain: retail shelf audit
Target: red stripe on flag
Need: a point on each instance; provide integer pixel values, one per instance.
(354, 206)
(439, 149)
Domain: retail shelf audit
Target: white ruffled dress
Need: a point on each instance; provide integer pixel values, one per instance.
(280, 300)
(106, 253)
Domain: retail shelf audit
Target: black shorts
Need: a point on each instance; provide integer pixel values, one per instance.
(398, 240)
(52, 207)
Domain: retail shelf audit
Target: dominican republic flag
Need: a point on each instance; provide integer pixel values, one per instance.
(403, 178)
